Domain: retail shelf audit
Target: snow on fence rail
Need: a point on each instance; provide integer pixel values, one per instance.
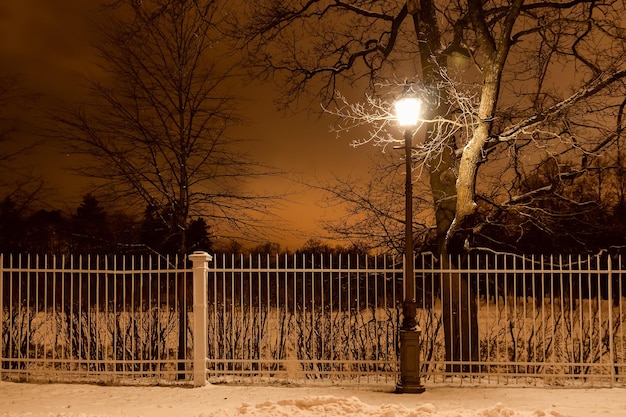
(541, 320)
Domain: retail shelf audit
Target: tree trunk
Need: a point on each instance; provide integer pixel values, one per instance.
(460, 319)
(458, 300)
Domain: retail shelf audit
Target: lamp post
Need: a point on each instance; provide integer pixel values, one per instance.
(407, 111)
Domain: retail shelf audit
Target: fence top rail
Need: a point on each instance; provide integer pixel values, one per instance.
(70, 270)
(418, 271)
(93, 263)
(425, 263)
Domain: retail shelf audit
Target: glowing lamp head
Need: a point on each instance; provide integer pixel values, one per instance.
(408, 110)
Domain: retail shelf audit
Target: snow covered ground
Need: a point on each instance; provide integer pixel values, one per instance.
(76, 400)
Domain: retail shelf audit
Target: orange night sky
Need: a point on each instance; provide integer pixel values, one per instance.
(48, 45)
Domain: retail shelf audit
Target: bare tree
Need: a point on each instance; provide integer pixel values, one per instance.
(545, 80)
(156, 128)
(372, 213)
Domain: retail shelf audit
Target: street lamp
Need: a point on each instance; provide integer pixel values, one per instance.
(407, 112)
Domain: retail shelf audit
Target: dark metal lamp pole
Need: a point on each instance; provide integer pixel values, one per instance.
(409, 381)
(409, 309)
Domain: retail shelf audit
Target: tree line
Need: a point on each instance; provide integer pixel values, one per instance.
(92, 230)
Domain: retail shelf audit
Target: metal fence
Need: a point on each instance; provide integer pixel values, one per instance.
(91, 318)
(556, 320)
(304, 317)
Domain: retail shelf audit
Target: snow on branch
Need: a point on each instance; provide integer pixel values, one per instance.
(593, 87)
(375, 122)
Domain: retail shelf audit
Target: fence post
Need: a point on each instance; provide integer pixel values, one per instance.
(1, 309)
(610, 301)
(200, 262)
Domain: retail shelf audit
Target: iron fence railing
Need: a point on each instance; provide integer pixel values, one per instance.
(90, 317)
(534, 320)
(538, 319)
(304, 317)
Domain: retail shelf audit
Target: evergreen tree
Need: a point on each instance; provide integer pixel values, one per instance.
(89, 228)
(11, 227)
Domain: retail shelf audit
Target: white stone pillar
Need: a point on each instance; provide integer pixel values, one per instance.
(200, 267)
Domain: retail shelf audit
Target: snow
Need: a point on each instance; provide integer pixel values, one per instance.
(78, 400)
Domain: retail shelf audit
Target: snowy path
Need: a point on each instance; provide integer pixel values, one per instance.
(76, 400)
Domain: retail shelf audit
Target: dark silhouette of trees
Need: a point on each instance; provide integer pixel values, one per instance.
(198, 237)
(45, 233)
(494, 78)
(157, 237)
(155, 132)
(318, 247)
(11, 227)
(155, 233)
(89, 228)
(24, 229)
(561, 213)
(269, 248)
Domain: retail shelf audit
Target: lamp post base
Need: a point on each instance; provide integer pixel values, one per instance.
(409, 382)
